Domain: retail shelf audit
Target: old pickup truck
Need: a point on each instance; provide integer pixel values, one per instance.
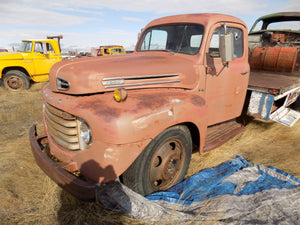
(32, 62)
(138, 117)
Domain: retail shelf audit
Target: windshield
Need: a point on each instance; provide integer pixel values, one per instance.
(25, 46)
(179, 38)
(277, 25)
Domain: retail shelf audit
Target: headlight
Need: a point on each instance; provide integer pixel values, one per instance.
(85, 135)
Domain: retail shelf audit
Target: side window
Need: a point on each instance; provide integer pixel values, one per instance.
(106, 51)
(49, 48)
(38, 47)
(28, 46)
(237, 41)
(214, 47)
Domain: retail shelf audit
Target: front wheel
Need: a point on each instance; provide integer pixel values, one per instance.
(162, 164)
(16, 80)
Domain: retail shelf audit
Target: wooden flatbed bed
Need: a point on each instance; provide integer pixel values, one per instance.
(273, 82)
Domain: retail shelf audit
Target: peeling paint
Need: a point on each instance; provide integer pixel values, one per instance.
(110, 154)
(170, 113)
(177, 101)
(143, 122)
(260, 105)
(107, 156)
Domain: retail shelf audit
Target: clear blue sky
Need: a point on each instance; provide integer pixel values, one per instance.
(90, 23)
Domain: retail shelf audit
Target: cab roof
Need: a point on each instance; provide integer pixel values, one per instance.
(280, 16)
(40, 40)
(205, 19)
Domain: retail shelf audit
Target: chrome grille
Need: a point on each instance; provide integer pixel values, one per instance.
(62, 127)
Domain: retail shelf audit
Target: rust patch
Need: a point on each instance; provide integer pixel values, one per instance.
(197, 100)
(100, 109)
(152, 101)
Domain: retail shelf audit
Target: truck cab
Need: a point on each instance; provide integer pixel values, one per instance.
(31, 62)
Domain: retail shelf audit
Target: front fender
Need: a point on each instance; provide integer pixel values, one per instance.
(122, 130)
(158, 110)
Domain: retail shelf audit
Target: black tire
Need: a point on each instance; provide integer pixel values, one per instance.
(16, 80)
(162, 164)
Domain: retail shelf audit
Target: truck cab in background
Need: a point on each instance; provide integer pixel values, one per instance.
(109, 50)
(32, 62)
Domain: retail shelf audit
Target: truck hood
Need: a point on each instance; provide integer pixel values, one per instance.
(130, 71)
(11, 55)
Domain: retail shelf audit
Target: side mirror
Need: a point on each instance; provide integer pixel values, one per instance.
(226, 48)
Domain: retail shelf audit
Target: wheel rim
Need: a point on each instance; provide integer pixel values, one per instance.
(167, 164)
(14, 83)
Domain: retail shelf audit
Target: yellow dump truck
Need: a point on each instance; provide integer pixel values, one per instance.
(31, 63)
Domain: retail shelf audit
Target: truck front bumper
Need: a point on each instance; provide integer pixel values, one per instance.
(79, 188)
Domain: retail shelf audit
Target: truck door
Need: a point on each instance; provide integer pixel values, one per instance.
(226, 85)
(43, 62)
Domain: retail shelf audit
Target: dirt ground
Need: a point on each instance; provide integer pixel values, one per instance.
(28, 196)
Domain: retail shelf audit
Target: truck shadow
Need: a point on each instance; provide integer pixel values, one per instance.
(102, 210)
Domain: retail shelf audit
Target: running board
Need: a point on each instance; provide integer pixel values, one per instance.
(220, 133)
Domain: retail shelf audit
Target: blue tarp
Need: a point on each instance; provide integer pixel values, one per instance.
(235, 192)
(212, 182)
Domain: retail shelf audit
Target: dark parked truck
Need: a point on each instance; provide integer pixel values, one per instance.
(138, 117)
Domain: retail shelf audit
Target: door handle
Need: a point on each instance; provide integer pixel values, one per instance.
(245, 72)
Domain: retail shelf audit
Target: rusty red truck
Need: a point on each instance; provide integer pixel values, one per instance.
(138, 117)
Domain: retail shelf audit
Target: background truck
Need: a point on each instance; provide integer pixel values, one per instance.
(32, 62)
(274, 42)
(108, 50)
(139, 117)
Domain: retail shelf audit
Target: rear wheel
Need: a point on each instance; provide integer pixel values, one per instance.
(163, 163)
(16, 80)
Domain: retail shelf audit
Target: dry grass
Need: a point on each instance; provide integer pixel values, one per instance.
(29, 197)
(267, 143)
